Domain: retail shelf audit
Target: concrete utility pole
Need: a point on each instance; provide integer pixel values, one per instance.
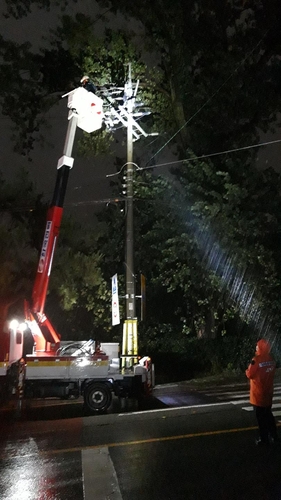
(127, 115)
(130, 334)
(130, 277)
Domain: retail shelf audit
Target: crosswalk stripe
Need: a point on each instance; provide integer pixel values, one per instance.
(242, 397)
(99, 476)
(236, 396)
(277, 413)
(241, 401)
(250, 408)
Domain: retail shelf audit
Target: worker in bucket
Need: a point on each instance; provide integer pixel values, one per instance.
(261, 373)
(88, 84)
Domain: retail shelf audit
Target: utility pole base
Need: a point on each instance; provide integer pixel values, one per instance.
(130, 343)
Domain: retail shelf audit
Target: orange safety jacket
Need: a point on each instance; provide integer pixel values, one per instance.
(261, 374)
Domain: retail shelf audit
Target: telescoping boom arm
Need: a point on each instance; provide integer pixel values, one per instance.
(86, 113)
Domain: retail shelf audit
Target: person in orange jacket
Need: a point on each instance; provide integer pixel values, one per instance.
(261, 373)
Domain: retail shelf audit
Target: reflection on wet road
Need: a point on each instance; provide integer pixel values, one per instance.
(176, 395)
(199, 451)
(27, 475)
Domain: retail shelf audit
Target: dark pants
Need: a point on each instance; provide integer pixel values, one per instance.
(266, 423)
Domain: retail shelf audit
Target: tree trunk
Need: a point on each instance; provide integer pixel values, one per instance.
(207, 330)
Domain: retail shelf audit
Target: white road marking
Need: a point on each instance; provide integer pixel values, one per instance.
(277, 413)
(242, 401)
(99, 476)
(247, 408)
(234, 395)
(277, 405)
(224, 396)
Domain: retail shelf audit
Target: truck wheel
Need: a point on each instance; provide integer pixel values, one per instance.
(97, 397)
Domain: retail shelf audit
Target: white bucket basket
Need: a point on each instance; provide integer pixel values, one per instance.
(88, 107)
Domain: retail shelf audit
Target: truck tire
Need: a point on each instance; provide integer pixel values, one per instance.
(97, 397)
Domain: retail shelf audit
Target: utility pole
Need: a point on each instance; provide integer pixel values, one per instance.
(126, 115)
(130, 334)
(130, 277)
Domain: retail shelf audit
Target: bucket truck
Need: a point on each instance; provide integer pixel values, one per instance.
(56, 369)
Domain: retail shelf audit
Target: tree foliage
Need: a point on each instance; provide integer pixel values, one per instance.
(235, 222)
(84, 301)
(78, 300)
(20, 210)
(217, 69)
(208, 241)
(220, 62)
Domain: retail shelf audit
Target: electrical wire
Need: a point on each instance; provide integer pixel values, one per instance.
(118, 199)
(193, 158)
(119, 172)
(211, 97)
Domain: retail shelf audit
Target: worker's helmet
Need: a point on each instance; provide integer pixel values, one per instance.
(84, 79)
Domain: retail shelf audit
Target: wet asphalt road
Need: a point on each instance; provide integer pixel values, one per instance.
(203, 450)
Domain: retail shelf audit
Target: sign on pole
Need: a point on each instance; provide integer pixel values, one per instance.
(115, 301)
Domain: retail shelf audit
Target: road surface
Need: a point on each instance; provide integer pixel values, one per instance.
(199, 446)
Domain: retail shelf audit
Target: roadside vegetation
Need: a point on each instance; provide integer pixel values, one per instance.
(207, 234)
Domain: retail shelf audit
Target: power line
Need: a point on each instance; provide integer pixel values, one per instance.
(193, 158)
(211, 97)
(125, 164)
